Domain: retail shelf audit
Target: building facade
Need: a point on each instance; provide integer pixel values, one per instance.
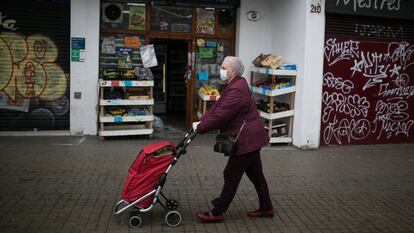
(354, 62)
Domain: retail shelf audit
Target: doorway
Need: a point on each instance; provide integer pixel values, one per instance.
(169, 82)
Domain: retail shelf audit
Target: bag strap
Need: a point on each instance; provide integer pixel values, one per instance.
(241, 128)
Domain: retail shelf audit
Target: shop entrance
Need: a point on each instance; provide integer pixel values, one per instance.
(170, 83)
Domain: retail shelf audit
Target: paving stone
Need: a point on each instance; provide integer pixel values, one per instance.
(46, 185)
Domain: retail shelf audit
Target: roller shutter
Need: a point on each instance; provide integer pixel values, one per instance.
(368, 83)
(34, 65)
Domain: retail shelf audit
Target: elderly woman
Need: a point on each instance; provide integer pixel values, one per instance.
(236, 106)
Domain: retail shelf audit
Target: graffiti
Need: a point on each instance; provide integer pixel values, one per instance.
(29, 74)
(368, 95)
(370, 65)
(351, 105)
(400, 52)
(378, 30)
(335, 52)
(337, 82)
(402, 89)
(378, 66)
(390, 5)
(392, 118)
(7, 23)
(346, 129)
(29, 70)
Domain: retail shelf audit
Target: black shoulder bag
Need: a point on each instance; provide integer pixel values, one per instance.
(227, 144)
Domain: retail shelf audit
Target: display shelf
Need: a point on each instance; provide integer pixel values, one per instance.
(202, 102)
(124, 102)
(125, 83)
(208, 97)
(126, 125)
(280, 140)
(269, 71)
(275, 92)
(286, 93)
(277, 115)
(124, 131)
(143, 118)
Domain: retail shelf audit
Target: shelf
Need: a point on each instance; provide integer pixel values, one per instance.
(109, 119)
(124, 131)
(208, 97)
(270, 71)
(126, 83)
(118, 102)
(123, 31)
(277, 115)
(275, 92)
(280, 140)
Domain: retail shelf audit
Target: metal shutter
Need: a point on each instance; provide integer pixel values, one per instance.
(34, 65)
(368, 83)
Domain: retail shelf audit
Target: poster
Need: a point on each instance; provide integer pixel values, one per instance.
(137, 18)
(132, 42)
(205, 21)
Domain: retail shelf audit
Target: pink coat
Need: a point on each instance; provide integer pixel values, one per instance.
(235, 105)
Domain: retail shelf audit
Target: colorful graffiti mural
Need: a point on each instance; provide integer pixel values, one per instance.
(33, 87)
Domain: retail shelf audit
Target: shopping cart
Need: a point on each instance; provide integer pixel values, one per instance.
(146, 178)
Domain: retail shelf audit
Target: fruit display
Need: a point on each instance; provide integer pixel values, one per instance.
(128, 74)
(110, 74)
(119, 111)
(207, 90)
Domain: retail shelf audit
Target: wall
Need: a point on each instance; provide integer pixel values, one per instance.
(288, 28)
(84, 75)
(253, 38)
(309, 97)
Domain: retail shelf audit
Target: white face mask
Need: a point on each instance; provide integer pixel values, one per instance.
(223, 74)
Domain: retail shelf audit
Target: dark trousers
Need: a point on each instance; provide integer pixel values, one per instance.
(250, 164)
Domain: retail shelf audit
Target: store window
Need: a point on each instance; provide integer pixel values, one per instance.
(171, 19)
(205, 20)
(128, 15)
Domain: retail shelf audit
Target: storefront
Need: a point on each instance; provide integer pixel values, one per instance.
(34, 65)
(368, 83)
(190, 40)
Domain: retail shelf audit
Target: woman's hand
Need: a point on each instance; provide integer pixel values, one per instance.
(195, 124)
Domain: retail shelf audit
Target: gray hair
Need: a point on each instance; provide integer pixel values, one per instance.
(235, 63)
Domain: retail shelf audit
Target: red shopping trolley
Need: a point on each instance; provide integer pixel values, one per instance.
(146, 178)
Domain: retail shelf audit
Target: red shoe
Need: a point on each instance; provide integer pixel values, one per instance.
(209, 217)
(257, 213)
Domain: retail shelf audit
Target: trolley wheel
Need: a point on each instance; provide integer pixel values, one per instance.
(173, 218)
(135, 221)
(172, 204)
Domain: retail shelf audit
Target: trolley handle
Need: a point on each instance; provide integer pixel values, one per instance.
(189, 136)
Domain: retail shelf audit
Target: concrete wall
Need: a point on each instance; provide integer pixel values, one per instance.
(84, 75)
(253, 38)
(288, 28)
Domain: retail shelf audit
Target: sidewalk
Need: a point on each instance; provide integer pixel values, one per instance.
(70, 184)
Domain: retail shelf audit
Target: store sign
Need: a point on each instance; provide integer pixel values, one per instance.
(78, 49)
(400, 9)
(7, 23)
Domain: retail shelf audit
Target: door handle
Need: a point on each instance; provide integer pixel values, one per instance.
(163, 78)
